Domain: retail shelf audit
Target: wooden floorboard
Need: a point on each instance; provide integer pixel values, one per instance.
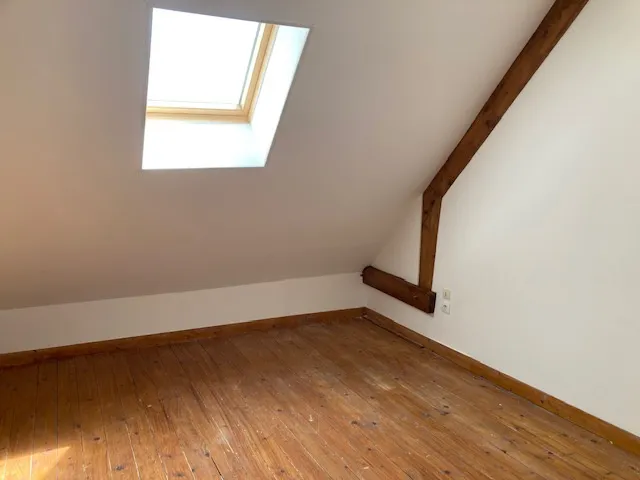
(95, 459)
(44, 457)
(151, 408)
(70, 450)
(346, 400)
(24, 385)
(6, 417)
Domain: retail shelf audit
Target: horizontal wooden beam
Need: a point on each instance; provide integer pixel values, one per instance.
(418, 297)
(616, 435)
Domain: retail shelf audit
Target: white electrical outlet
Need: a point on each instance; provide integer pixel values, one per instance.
(446, 308)
(446, 294)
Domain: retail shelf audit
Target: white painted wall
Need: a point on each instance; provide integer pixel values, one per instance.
(51, 326)
(80, 220)
(274, 90)
(540, 237)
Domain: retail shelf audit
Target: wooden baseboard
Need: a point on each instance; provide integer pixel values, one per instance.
(159, 339)
(616, 435)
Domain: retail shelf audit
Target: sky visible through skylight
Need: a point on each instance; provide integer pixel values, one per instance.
(199, 61)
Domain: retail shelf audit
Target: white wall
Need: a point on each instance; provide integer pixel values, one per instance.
(41, 327)
(81, 221)
(540, 237)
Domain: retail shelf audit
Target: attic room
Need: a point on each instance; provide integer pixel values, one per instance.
(297, 239)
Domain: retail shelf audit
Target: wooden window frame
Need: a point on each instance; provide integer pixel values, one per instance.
(243, 112)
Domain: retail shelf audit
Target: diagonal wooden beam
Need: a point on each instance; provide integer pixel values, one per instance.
(554, 25)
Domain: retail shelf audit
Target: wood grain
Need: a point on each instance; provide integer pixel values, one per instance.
(194, 431)
(366, 454)
(161, 430)
(24, 386)
(473, 430)
(122, 463)
(6, 417)
(383, 416)
(141, 434)
(614, 434)
(406, 292)
(295, 408)
(531, 434)
(428, 245)
(554, 25)
(43, 461)
(95, 458)
(240, 461)
(283, 454)
(159, 339)
(335, 400)
(70, 459)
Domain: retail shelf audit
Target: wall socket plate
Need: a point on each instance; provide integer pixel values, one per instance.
(446, 308)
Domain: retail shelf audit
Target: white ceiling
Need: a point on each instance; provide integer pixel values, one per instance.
(384, 91)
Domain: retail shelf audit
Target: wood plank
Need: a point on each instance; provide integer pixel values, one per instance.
(70, 452)
(243, 463)
(399, 288)
(400, 408)
(337, 400)
(141, 434)
(548, 34)
(301, 422)
(166, 440)
(6, 416)
(95, 459)
(24, 384)
(422, 378)
(410, 409)
(415, 375)
(254, 376)
(300, 409)
(359, 418)
(219, 453)
(184, 416)
(169, 338)
(528, 422)
(428, 244)
(121, 459)
(45, 440)
(267, 441)
(612, 433)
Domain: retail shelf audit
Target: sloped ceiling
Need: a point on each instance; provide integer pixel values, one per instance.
(384, 91)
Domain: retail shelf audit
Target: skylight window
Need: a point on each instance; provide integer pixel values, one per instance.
(204, 66)
(216, 91)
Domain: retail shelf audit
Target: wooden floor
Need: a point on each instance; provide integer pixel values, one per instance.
(347, 400)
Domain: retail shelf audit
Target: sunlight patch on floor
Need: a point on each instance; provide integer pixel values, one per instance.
(38, 466)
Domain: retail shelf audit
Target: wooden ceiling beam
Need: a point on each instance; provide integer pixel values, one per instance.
(554, 25)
